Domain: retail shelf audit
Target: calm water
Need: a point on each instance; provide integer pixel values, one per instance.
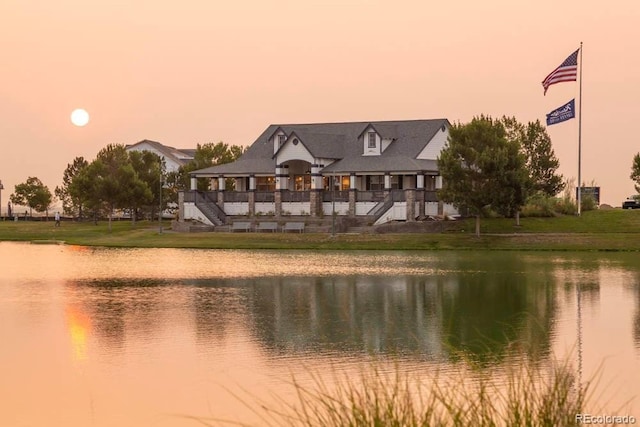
(111, 337)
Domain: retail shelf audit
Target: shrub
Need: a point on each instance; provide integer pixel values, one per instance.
(539, 205)
(588, 203)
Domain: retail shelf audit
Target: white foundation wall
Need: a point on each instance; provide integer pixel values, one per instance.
(236, 208)
(296, 208)
(191, 212)
(265, 208)
(398, 212)
(342, 208)
(363, 208)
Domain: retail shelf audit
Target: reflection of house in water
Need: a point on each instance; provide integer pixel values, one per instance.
(432, 316)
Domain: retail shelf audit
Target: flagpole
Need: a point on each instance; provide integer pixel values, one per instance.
(580, 138)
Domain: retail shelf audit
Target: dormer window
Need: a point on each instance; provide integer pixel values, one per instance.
(372, 140)
(281, 139)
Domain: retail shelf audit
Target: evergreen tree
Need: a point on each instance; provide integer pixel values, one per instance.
(635, 172)
(482, 169)
(72, 202)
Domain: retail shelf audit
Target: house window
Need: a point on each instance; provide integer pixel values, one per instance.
(372, 140)
(281, 140)
(396, 182)
(340, 182)
(346, 183)
(302, 182)
(265, 183)
(375, 182)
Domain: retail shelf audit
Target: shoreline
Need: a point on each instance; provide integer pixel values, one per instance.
(146, 237)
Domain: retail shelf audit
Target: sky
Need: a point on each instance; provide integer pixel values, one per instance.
(198, 71)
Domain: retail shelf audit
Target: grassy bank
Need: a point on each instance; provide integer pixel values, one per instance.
(612, 230)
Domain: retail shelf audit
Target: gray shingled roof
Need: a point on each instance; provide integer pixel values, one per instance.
(342, 141)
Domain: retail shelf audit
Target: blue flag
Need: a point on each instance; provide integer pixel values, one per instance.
(561, 114)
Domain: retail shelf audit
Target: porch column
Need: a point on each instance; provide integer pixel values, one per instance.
(315, 202)
(420, 194)
(252, 202)
(180, 206)
(387, 181)
(251, 197)
(352, 194)
(410, 197)
(315, 196)
(278, 200)
(221, 191)
(282, 177)
(316, 177)
(194, 183)
(438, 187)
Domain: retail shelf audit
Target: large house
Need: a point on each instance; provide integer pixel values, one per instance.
(383, 170)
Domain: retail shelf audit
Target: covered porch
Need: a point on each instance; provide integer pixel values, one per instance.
(300, 189)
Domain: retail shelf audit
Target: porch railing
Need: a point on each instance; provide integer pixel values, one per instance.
(265, 196)
(295, 196)
(430, 196)
(338, 196)
(304, 196)
(236, 196)
(370, 196)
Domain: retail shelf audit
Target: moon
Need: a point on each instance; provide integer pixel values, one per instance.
(79, 117)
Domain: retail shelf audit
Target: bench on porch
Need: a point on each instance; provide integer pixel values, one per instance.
(241, 226)
(293, 226)
(267, 226)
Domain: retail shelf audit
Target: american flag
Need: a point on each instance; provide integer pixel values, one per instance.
(566, 72)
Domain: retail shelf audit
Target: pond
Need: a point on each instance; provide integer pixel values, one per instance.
(154, 337)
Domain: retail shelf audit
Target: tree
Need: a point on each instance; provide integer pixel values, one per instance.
(635, 172)
(72, 201)
(34, 194)
(149, 168)
(542, 162)
(114, 181)
(482, 169)
(206, 155)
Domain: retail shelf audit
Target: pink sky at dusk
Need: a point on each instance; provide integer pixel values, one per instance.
(199, 71)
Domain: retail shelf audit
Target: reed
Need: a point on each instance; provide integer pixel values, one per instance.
(529, 394)
(521, 396)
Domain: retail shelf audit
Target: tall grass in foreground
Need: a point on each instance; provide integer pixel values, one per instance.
(393, 399)
(523, 395)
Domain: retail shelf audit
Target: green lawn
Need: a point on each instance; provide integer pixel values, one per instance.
(612, 230)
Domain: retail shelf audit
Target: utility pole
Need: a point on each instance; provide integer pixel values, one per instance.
(1, 188)
(160, 198)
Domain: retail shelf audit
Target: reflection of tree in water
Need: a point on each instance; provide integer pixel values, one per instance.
(636, 317)
(466, 309)
(218, 308)
(500, 299)
(126, 308)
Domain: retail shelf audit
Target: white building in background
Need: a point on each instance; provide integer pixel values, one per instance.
(173, 157)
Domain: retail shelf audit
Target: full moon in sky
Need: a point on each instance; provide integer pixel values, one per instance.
(79, 117)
